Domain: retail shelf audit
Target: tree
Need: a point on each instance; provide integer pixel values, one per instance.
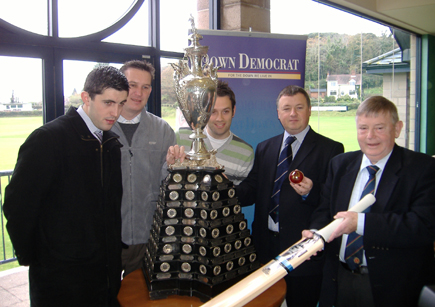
(343, 54)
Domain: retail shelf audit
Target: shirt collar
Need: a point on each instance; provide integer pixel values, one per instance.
(134, 120)
(92, 128)
(381, 163)
(299, 137)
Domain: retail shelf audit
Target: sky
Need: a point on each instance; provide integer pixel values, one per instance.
(287, 17)
(306, 16)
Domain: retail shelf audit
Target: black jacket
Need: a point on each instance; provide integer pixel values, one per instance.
(63, 210)
(399, 230)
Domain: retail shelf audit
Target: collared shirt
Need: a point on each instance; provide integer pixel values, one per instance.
(295, 147)
(92, 128)
(361, 180)
(135, 120)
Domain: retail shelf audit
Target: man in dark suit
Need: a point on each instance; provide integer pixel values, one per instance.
(399, 230)
(311, 153)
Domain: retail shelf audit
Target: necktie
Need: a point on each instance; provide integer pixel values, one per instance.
(99, 135)
(282, 169)
(354, 246)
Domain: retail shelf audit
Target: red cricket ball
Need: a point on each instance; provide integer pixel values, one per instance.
(296, 176)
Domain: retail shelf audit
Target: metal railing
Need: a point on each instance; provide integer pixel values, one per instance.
(5, 258)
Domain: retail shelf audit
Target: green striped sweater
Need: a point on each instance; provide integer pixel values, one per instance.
(235, 155)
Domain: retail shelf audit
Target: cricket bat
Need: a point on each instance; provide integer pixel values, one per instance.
(259, 281)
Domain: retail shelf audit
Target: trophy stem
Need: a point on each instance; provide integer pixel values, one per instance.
(198, 150)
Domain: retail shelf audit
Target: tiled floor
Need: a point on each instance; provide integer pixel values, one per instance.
(14, 288)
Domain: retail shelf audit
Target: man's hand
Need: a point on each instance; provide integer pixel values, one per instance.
(304, 187)
(308, 234)
(175, 152)
(347, 226)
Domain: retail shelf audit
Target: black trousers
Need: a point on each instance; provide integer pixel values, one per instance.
(354, 290)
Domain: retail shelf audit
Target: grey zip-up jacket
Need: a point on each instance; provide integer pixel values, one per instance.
(143, 168)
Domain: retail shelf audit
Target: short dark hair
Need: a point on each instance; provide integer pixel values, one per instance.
(104, 77)
(141, 65)
(292, 90)
(223, 90)
(378, 105)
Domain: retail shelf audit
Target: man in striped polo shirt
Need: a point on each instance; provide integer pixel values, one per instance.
(233, 153)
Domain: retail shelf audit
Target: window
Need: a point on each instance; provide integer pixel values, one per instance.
(351, 51)
(95, 16)
(176, 12)
(28, 15)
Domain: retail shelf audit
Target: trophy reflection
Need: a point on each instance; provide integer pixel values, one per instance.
(195, 86)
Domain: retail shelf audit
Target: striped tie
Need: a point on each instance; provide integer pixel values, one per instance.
(282, 169)
(354, 246)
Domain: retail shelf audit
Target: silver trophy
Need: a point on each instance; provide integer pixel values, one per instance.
(195, 86)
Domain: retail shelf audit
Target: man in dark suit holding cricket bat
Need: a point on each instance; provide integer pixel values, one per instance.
(381, 257)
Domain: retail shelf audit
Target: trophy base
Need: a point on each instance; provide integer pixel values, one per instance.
(199, 242)
(161, 289)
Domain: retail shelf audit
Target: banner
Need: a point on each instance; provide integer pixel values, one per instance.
(257, 66)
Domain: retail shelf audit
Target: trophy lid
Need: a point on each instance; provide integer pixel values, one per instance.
(195, 47)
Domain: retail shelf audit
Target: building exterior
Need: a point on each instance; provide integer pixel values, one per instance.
(16, 107)
(342, 85)
(317, 92)
(394, 67)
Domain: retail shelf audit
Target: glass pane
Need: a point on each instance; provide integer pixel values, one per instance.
(30, 15)
(74, 76)
(83, 17)
(20, 105)
(348, 59)
(170, 111)
(174, 23)
(136, 31)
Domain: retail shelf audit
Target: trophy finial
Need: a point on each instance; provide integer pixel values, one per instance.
(192, 24)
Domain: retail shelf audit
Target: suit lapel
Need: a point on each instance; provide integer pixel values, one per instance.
(347, 182)
(388, 180)
(306, 147)
(272, 155)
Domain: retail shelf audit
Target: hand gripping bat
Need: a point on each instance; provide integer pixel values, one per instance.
(259, 281)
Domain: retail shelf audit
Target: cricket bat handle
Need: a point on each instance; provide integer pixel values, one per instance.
(363, 204)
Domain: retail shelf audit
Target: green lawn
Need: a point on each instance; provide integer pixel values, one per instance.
(339, 126)
(13, 132)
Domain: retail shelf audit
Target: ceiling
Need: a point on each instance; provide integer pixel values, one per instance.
(413, 15)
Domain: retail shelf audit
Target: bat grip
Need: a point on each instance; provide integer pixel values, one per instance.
(359, 207)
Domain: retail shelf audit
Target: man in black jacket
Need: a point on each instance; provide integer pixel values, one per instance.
(63, 201)
(396, 235)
